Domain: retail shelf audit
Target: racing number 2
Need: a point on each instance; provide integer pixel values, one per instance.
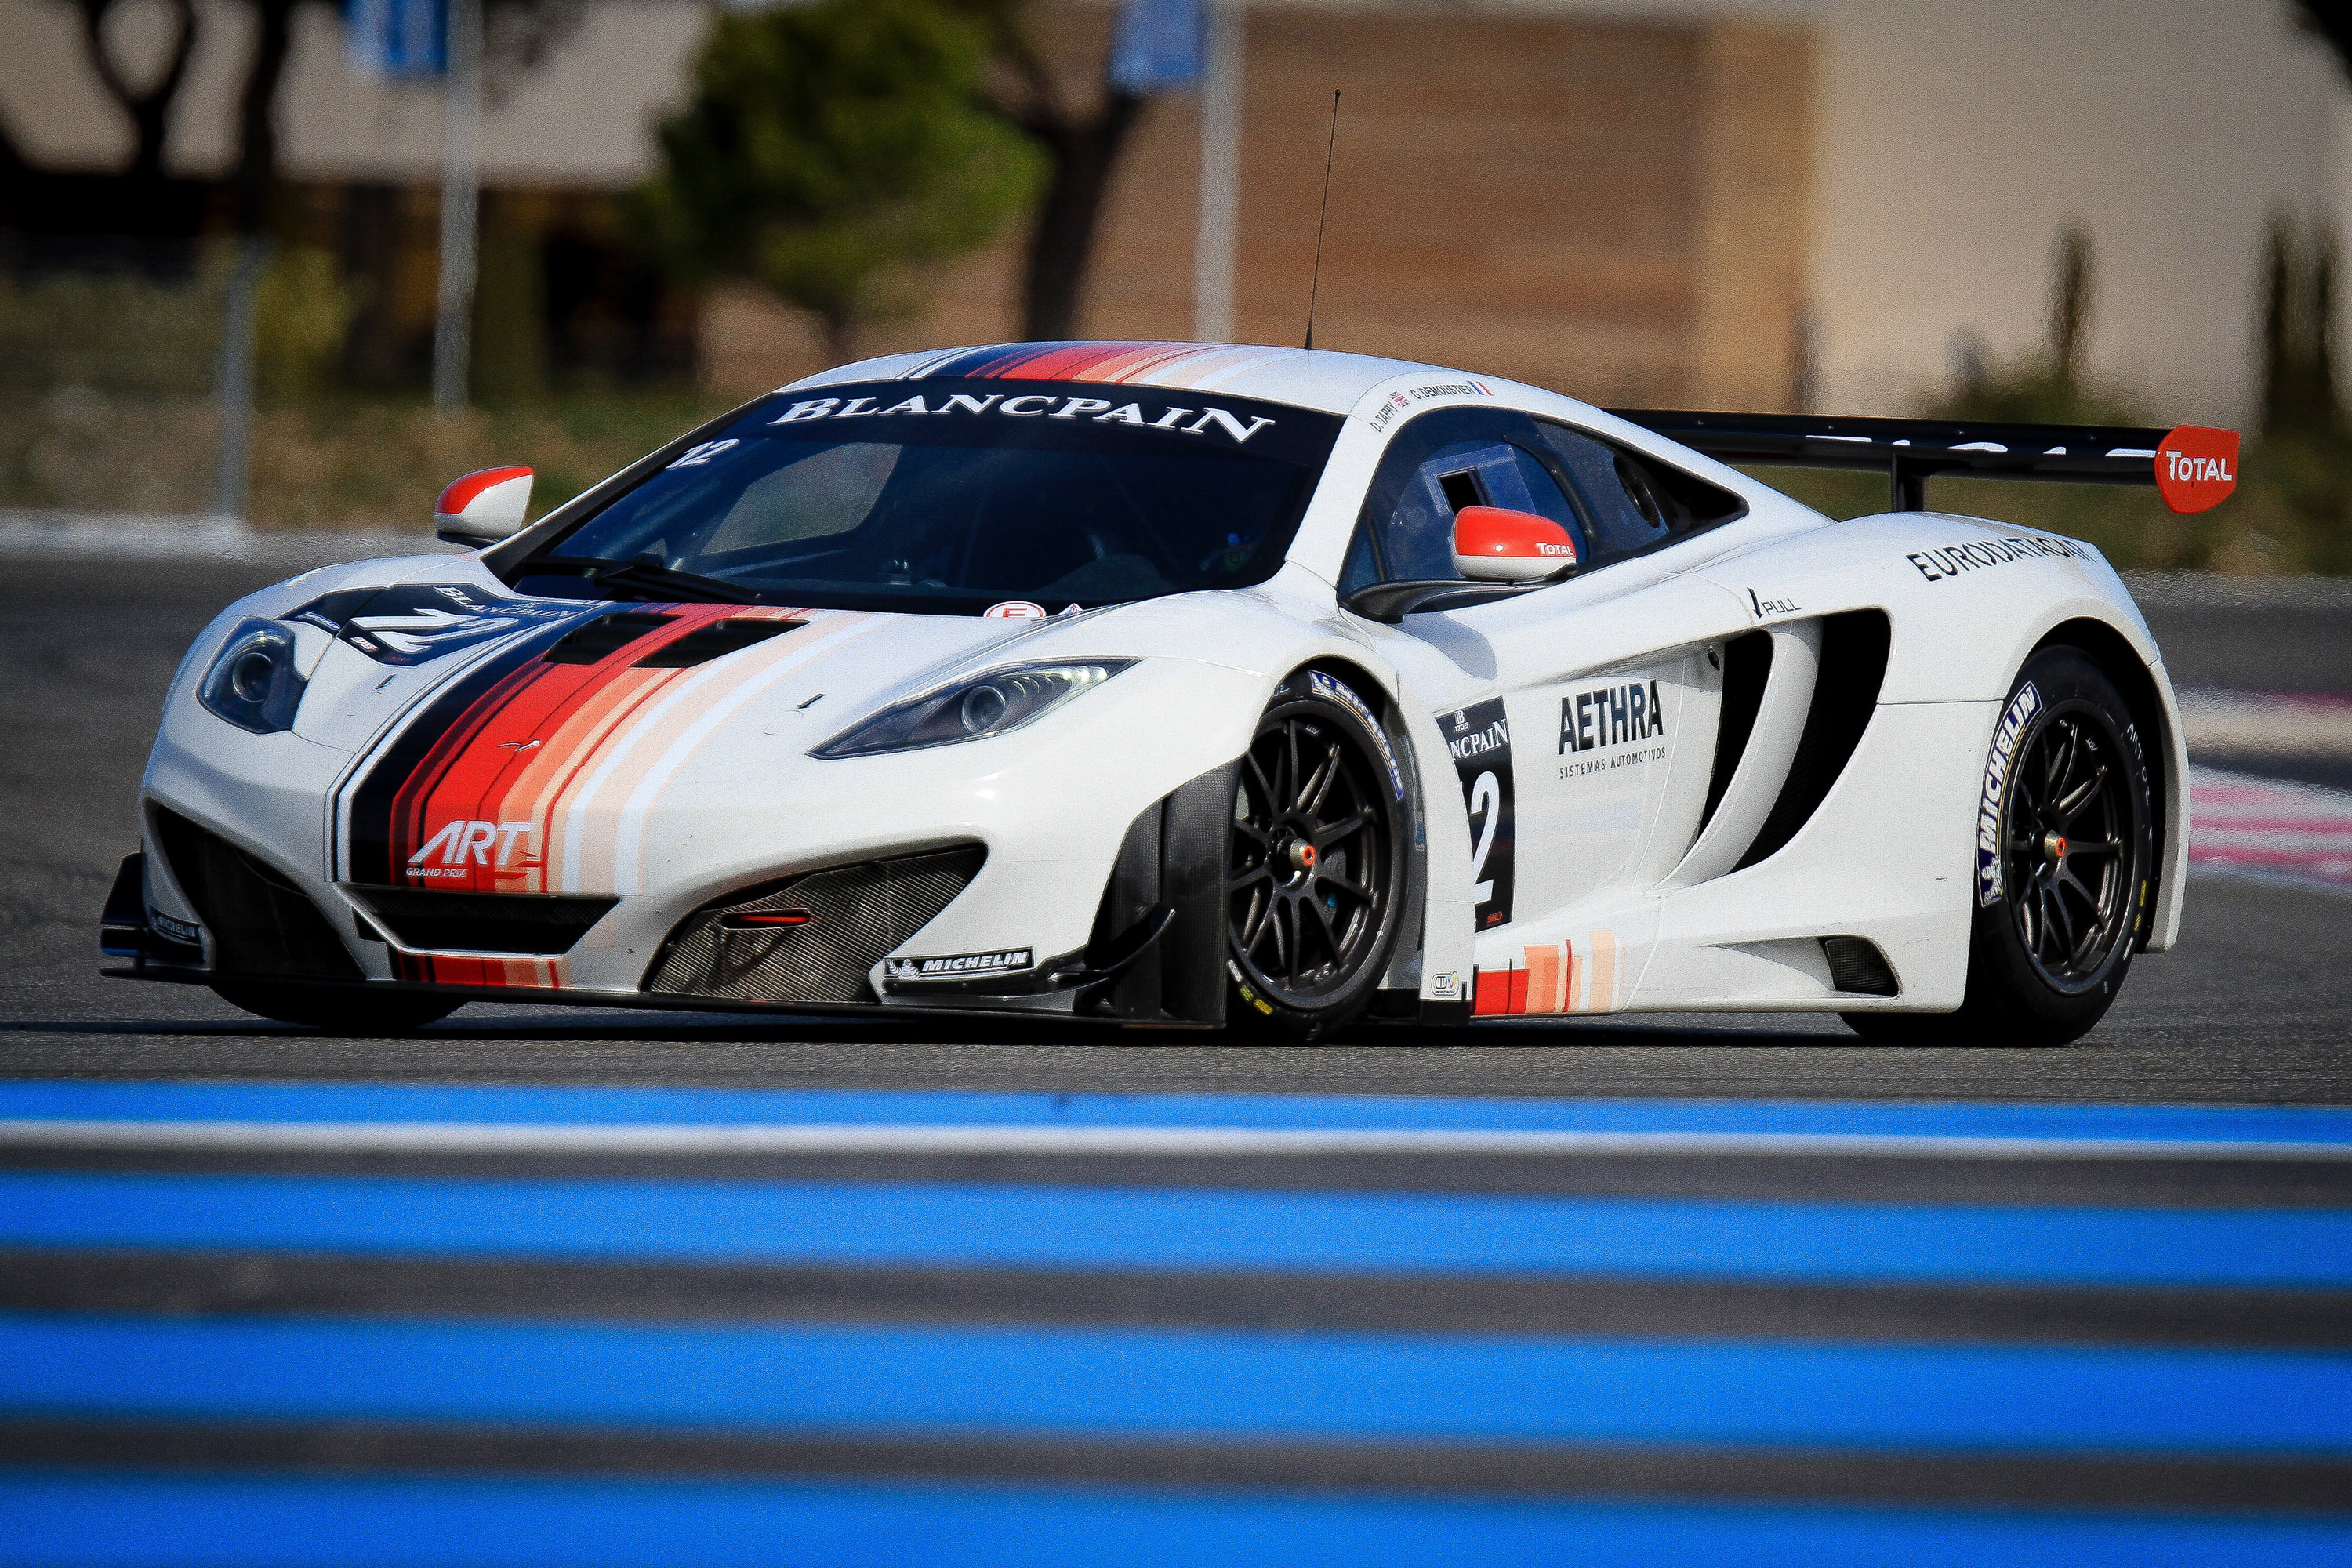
(1479, 737)
(1486, 818)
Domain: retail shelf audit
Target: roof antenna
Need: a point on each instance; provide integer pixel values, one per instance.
(1314, 283)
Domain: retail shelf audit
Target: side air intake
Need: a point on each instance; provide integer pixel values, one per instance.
(1845, 693)
(261, 923)
(542, 924)
(1857, 967)
(1747, 666)
(811, 938)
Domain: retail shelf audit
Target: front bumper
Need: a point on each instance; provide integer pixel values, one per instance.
(1048, 808)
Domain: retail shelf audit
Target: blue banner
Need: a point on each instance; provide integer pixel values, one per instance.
(1156, 46)
(397, 38)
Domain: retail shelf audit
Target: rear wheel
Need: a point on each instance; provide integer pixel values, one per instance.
(338, 1010)
(1317, 871)
(2063, 880)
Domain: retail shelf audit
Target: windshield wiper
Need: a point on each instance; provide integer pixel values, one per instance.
(647, 574)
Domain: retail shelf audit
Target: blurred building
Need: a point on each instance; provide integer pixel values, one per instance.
(1759, 203)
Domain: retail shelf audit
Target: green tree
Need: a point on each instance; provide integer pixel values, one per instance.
(2294, 348)
(831, 150)
(1080, 133)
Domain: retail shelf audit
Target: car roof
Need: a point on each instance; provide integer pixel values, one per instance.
(1316, 378)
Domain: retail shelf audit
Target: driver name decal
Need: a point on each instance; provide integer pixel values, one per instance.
(1479, 738)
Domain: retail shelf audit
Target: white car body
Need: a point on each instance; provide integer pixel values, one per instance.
(698, 781)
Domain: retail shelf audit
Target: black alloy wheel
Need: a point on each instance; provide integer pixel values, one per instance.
(2068, 846)
(2053, 934)
(1316, 874)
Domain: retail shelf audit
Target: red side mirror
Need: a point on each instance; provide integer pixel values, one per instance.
(490, 504)
(1496, 544)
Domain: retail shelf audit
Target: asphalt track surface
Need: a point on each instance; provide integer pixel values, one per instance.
(577, 1286)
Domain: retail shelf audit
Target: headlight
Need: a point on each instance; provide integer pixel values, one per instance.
(252, 682)
(975, 707)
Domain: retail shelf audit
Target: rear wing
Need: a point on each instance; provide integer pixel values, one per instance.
(2192, 467)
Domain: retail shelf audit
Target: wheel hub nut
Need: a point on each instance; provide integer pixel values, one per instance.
(2053, 845)
(1302, 855)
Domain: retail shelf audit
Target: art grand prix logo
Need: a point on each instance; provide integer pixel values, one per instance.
(459, 846)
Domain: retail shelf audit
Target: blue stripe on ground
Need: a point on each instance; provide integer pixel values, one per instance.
(100, 1521)
(1176, 1383)
(500, 1103)
(943, 1225)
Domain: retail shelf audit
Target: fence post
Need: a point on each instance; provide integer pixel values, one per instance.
(1221, 159)
(235, 394)
(461, 181)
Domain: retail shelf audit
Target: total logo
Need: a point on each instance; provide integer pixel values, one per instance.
(458, 846)
(2196, 468)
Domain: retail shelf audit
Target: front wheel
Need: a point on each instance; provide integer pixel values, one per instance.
(1317, 872)
(2065, 851)
(338, 1010)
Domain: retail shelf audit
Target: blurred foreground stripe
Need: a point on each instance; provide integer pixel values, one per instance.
(165, 1521)
(288, 1323)
(885, 1224)
(2177, 1130)
(926, 1378)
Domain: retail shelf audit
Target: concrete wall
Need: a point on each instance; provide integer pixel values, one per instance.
(1955, 138)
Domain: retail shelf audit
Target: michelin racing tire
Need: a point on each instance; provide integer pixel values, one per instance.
(2065, 858)
(1318, 869)
(335, 1009)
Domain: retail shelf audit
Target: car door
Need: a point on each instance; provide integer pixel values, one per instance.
(1580, 722)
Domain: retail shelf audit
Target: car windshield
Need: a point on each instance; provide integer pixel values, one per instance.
(956, 496)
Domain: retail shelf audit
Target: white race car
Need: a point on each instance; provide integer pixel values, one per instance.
(1177, 684)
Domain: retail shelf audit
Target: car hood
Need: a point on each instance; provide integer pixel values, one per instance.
(493, 736)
